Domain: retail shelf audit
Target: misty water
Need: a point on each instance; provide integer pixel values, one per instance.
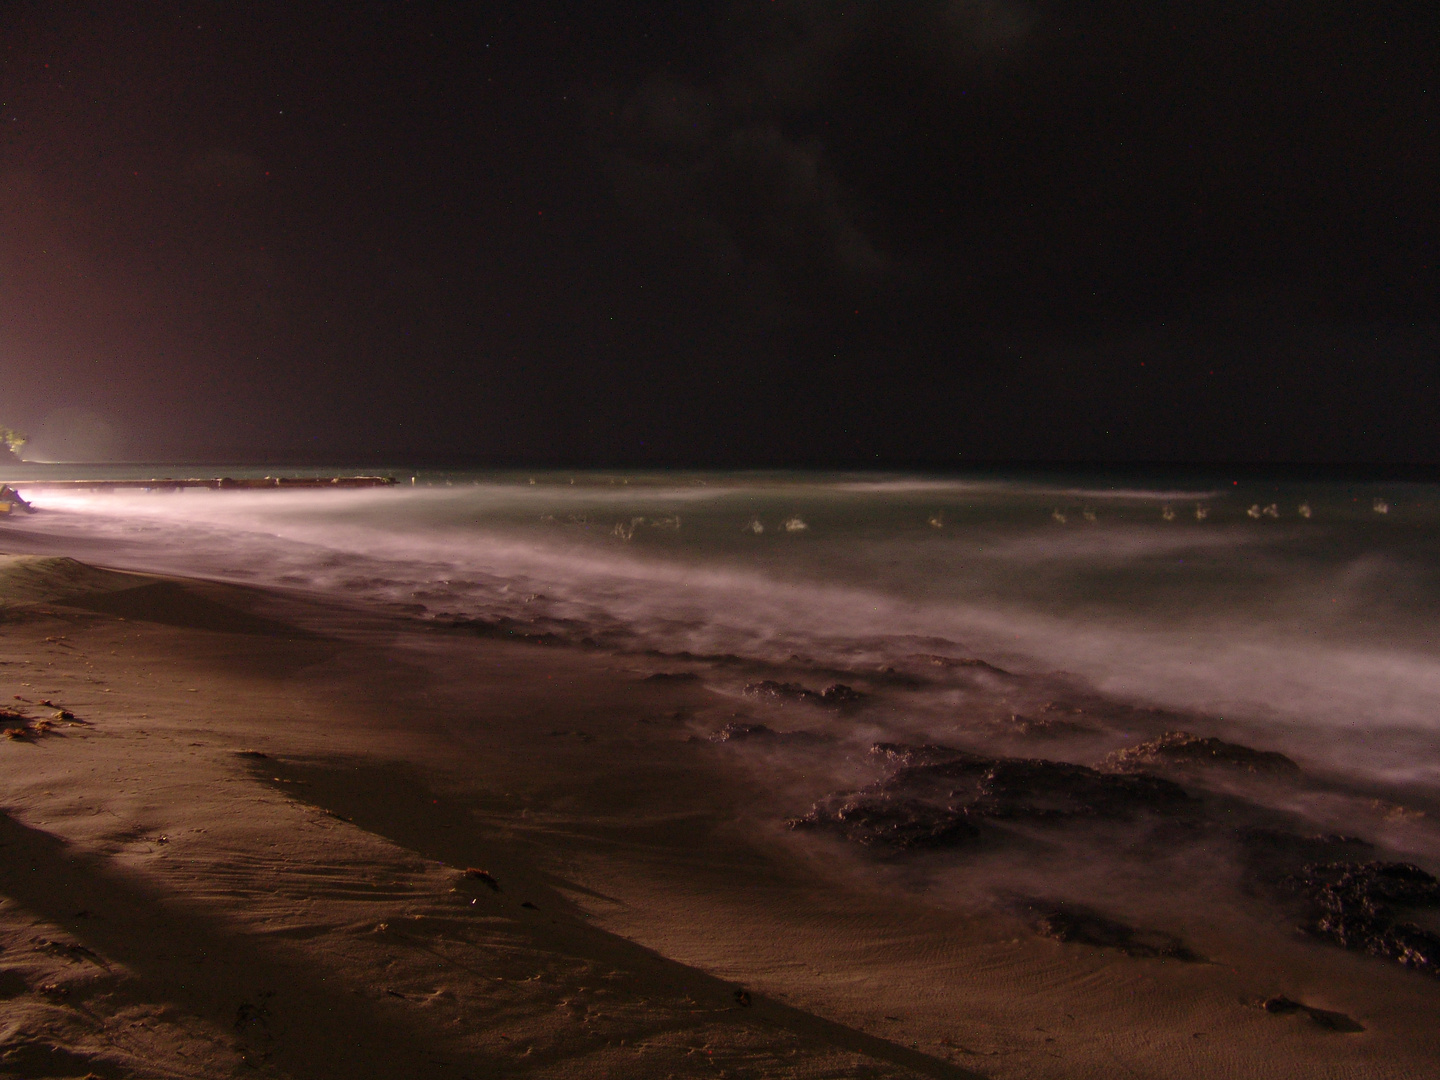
(949, 685)
(1303, 610)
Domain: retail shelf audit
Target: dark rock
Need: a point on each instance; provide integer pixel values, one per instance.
(840, 694)
(781, 691)
(1033, 788)
(944, 798)
(1271, 858)
(506, 629)
(1330, 1021)
(476, 874)
(835, 695)
(1079, 925)
(905, 824)
(739, 730)
(912, 754)
(533, 632)
(66, 951)
(1353, 905)
(961, 662)
(1181, 749)
(1046, 727)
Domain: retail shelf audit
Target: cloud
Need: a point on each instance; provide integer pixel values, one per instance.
(749, 197)
(737, 167)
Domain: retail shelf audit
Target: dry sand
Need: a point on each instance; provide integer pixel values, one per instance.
(239, 847)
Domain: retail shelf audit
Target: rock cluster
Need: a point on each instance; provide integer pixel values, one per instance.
(1353, 905)
(742, 730)
(834, 695)
(947, 796)
(1182, 749)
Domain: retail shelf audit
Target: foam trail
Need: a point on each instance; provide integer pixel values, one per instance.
(1304, 622)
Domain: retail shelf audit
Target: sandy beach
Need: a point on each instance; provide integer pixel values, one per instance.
(248, 834)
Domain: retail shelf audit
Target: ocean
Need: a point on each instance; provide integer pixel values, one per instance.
(1301, 612)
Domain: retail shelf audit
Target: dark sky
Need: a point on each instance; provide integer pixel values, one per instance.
(761, 232)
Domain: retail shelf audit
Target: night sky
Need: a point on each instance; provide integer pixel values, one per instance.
(755, 233)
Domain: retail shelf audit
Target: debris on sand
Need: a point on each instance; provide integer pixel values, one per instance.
(1180, 749)
(1353, 905)
(946, 796)
(835, 695)
(1330, 1021)
(742, 998)
(1074, 924)
(16, 725)
(76, 954)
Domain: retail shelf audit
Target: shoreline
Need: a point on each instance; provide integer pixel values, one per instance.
(251, 850)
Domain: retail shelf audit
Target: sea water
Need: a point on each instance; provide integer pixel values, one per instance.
(1305, 607)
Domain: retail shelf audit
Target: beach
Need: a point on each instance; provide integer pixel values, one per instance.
(263, 836)
(342, 794)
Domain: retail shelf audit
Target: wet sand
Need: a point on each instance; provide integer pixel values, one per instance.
(281, 838)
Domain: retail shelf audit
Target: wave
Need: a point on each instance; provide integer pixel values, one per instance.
(1293, 627)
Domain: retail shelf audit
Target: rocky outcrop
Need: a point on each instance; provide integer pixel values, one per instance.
(1358, 907)
(948, 796)
(1180, 749)
(835, 695)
